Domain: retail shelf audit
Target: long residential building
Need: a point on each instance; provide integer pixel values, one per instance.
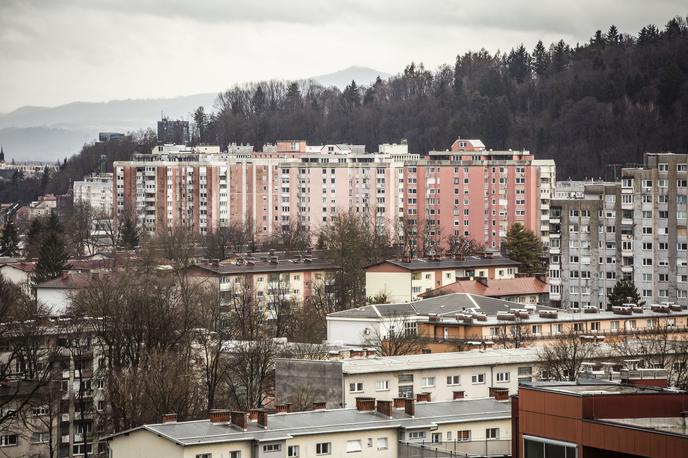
(438, 377)
(375, 428)
(433, 197)
(634, 229)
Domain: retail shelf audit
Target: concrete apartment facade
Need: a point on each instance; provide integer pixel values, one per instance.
(96, 191)
(634, 229)
(440, 377)
(292, 182)
(373, 429)
(404, 280)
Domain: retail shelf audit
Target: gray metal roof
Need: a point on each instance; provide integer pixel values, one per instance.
(286, 425)
(449, 305)
(258, 266)
(467, 262)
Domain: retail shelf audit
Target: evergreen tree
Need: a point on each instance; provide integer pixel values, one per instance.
(524, 246)
(52, 257)
(624, 291)
(34, 238)
(518, 63)
(129, 236)
(53, 224)
(540, 59)
(613, 37)
(9, 242)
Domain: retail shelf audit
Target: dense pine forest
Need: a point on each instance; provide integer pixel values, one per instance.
(586, 106)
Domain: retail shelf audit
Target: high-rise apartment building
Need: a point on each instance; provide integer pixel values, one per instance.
(468, 191)
(634, 229)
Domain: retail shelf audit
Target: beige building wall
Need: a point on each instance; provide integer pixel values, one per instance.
(441, 390)
(307, 444)
(397, 285)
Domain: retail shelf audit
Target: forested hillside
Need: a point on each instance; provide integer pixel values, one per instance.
(585, 105)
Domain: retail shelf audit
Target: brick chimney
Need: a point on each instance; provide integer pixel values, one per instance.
(385, 408)
(282, 408)
(319, 405)
(253, 414)
(219, 416)
(423, 397)
(263, 419)
(239, 419)
(458, 394)
(169, 418)
(410, 407)
(399, 403)
(365, 404)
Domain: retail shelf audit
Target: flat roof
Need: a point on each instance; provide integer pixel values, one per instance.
(469, 358)
(591, 388)
(467, 262)
(258, 266)
(287, 425)
(670, 425)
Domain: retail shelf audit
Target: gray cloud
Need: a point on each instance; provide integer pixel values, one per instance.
(54, 52)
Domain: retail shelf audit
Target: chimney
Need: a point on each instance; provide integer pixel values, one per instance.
(410, 407)
(253, 414)
(263, 419)
(458, 395)
(365, 404)
(219, 416)
(319, 405)
(239, 419)
(169, 418)
(282, 408)
(423, 397)
(385, 408)
(399, 403)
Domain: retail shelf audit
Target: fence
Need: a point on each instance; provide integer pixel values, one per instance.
(455, 449)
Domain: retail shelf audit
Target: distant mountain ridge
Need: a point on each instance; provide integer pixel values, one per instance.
(51, 133)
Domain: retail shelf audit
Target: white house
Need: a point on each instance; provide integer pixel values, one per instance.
(57, 293)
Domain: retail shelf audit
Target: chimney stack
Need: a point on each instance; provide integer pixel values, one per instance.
(169, 418)
(365, 404)
(219, 416)
(500, 394)
(282, 408)
(253, 414)
(263, 419)
(410, 407)
(240, 419)
(385, 408)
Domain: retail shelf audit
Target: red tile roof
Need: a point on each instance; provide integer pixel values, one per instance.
(493, 288)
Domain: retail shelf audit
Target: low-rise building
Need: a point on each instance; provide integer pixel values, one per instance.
(404, 280)
(524, 290)
(271, 278)
(20, 273)
(595, 420)
(56, 294)
(372, 429)
(440, 376)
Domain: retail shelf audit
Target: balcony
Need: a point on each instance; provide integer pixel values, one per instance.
(627, 269)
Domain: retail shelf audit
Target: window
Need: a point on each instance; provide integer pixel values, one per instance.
(293, 450)
(614, 325)
(204, 455)
(595, 326)
(453, 380)
(503, 376)
(436, 438)
(8, 440)
(405, 378)
(40, 437)
(428, 382)
(80, 449)
(464, 435)
(492, 433)
(416, 435)
(356, 387)
(382, 385)
(40, 410)
(269, 448)
(323, 448)
(382, 443)
(237, 453)
(354, 446)
(478, 378)
(536, 447)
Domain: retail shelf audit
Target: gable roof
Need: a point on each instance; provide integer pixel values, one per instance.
(446, 264)
(493, 288)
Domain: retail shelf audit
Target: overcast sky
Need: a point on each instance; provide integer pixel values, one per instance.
(59, 51)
